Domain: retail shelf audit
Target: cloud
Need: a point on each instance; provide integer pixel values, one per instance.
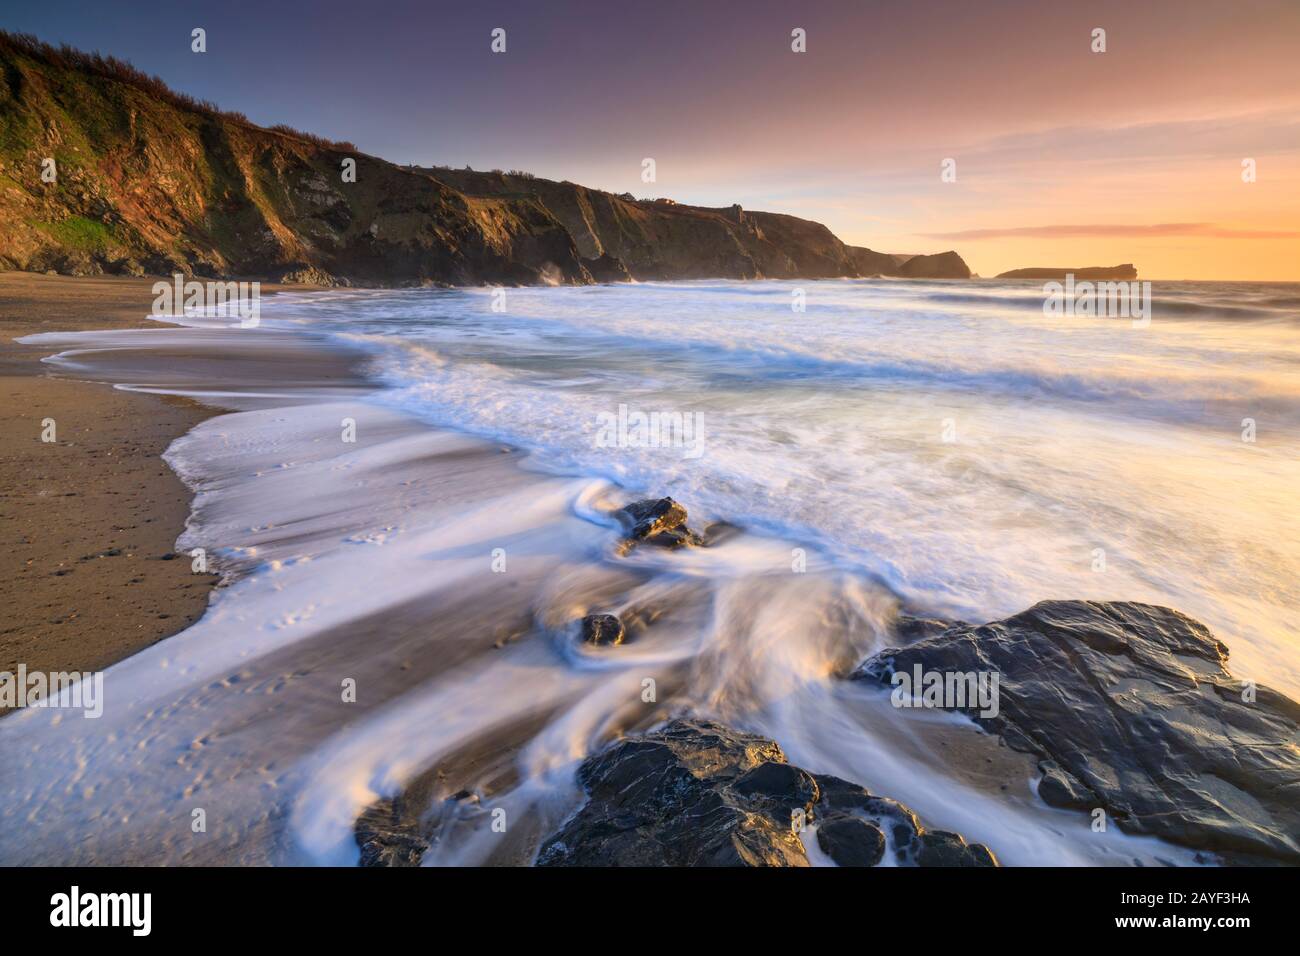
(1205, 230)
(1273, 133)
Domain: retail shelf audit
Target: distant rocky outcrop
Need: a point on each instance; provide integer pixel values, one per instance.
(152, 182)
(944, 265)
(697, 793)
(1131, 708)
(1125, 272)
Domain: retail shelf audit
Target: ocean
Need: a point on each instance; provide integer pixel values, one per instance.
(949, 440)
(432, 535)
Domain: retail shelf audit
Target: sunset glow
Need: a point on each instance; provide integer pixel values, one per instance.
(1045, 133)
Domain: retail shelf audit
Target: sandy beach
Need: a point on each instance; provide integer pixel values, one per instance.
(88, 575)
(276, 706)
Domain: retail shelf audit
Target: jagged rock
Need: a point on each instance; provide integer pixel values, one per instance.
(386, 838)
(603, 629)
(668, 799)
(1131, 708)
(662, 522)
(653, 516)
(696, 793)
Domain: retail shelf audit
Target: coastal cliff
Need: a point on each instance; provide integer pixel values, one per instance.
(103, 169)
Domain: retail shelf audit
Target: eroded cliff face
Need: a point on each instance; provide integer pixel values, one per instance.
(665, 240)
(103, 169)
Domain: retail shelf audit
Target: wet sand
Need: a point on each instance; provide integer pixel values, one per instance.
(88, 574)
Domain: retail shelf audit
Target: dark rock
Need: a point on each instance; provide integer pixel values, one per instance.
(386, 838)
(696, 793)
(661, 522)
(398, 831)
(653, 516)
(779, 790)
(1061, 790)
(942, 848)
(666, 799)
(1131, 708)
(851, 841)
(603, 629)
(912, 843)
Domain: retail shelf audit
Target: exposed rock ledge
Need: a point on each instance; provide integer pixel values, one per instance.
(1131, 708)
(699, 794)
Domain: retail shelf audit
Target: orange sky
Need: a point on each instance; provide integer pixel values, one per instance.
(1141, 146)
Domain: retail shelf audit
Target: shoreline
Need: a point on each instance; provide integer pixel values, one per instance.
(448, 637)
(93, 517)
(91, 575)
(369, 564)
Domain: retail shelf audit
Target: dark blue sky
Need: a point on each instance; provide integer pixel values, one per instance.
(417, 80)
